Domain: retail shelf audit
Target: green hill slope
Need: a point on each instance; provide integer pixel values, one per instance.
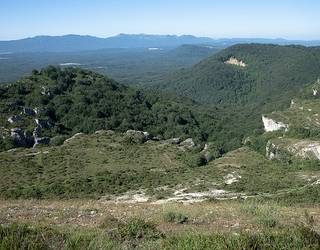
(54, 104)
(65, 102)
(106, 164)
(270, 73)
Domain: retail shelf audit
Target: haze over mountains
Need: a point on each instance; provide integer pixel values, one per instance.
(69, 43)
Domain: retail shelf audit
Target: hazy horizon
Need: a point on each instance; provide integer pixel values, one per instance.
(150, 34)
(287, 19)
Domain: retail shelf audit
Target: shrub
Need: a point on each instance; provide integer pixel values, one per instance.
(110, 222)
(175, 217)
(196, 161)
(136, 229)
(265, 214)
(58, 140)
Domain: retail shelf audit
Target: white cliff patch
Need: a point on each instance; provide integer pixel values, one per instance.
(306, 149)
(303, 149)
(272, 125)
(235, 61)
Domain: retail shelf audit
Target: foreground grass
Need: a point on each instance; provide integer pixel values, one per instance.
(142, 235)
(92, 224)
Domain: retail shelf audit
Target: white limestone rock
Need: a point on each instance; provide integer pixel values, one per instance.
(235, 61)
(272, 125)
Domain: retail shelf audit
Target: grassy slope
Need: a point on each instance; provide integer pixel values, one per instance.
(102, 164)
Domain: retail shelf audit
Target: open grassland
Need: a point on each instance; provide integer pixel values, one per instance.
(92, 224)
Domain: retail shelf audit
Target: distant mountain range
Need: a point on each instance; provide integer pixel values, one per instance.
(70, 43)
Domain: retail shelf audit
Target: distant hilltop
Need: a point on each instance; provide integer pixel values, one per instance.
(68, 43)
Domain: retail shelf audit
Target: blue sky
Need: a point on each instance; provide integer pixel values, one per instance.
(292, 19)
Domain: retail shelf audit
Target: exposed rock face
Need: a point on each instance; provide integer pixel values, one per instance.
(235, 61)
(271, 151)
(29, 111)
(188, 143)
(210, 152)
(37, 132)
(271, 125)
(45, 91)
(44, 123)
(138, 136)
(301, 149)
(41, 141)
(14, 118)
(306, 149)
(38, 140)
(38, 111)
(157, 138)
(21, 138)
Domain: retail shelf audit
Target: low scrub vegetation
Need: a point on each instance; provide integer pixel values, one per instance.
(142, 235)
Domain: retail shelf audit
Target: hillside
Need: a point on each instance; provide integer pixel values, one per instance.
(64, 102)
(192, 50)
(271, 74)
(294, 133)
(281, 164)
(111, 165)
(134, 190)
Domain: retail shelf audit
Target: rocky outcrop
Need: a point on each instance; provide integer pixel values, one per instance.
(210, 152)
(235, 61)
(14, 118)
(45, 91)
(285, 148)
(38, 140)
(21, 138)
(188, 143)
(271, 125)
(29, 111)
(138, 136)
(41, 141)
(42, 123)
(272, 151)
